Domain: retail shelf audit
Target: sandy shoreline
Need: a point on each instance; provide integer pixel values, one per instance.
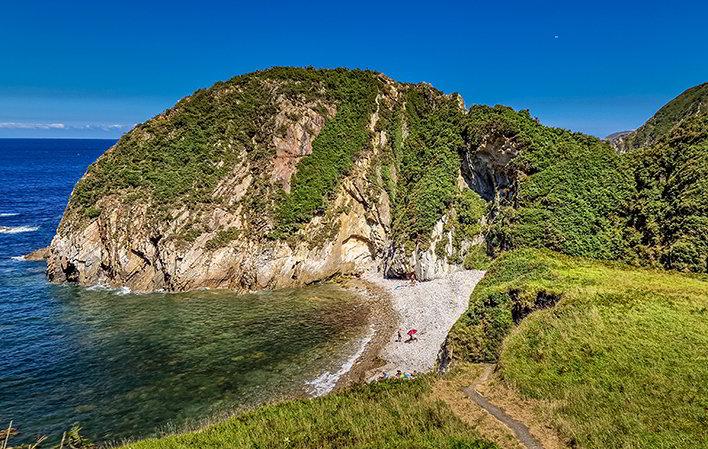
(383, 320)
(430, 307)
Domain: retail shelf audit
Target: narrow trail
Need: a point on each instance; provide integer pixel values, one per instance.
(520, 430)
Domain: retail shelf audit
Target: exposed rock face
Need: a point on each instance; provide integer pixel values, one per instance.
(230, 240)
(487, 170)
(296, 142)
(39, 254)
(618, 140)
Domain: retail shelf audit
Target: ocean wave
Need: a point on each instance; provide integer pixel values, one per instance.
(8, 214)
(17, 229)
(18, 258)
(121, 291)
(325, 382)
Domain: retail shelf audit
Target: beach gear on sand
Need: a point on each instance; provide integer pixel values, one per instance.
(411, 335)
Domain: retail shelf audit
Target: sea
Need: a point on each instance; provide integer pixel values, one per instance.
(125, 366)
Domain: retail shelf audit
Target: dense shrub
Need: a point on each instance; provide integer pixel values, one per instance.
(567, 187)
(427, 161)
(668, 212)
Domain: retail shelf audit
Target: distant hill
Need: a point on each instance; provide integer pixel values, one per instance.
(693, 101)
(617, 140)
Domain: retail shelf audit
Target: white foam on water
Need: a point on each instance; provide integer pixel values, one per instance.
(18, 258)
(117, 290)
(325, 382)
(17, 229)
(8, 214)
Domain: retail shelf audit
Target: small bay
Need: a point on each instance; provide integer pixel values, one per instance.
(125, 365)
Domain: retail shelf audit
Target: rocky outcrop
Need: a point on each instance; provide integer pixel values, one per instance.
(425, 262)
(486, 168)
(231, 240)
(37, 255)
(124, 248)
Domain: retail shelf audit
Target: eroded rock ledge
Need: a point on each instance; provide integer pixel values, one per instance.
(231, 239)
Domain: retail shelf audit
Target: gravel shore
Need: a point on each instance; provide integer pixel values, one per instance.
(431, 308)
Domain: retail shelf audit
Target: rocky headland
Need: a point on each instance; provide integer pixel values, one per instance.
(291, 176)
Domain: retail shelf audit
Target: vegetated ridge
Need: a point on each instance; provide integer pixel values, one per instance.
(290, 176)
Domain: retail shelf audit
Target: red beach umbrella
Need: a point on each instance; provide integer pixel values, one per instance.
(412, 332)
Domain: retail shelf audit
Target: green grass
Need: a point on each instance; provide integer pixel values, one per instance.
(621, 361)
(391, 414)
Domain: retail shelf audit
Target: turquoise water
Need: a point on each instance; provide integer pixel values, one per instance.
(127, 366)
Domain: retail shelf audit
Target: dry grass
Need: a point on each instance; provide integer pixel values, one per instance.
(449, 387)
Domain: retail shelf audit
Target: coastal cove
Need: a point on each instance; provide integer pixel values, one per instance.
(127, 366)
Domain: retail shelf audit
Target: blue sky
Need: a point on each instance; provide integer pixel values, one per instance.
(93, 69)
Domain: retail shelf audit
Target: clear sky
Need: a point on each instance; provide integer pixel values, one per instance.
(94, 68)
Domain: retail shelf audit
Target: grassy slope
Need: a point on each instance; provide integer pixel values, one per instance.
(622, 358)
(390, 414)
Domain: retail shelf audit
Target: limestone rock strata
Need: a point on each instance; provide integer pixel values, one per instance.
(230, 244)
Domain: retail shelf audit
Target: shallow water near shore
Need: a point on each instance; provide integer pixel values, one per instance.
(128, 366)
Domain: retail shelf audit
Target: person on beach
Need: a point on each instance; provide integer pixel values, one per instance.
(411, 335)
(400, 337)
(412, 278)
(399, 374)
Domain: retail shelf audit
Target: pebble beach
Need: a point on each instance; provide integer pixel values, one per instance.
(430, 307)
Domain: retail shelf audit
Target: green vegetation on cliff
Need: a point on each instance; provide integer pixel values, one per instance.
(619, 361)
(567, 187)
(426, 149)
(668, 212)
(335, 148)
(691, 102)
(180, 156)
(391, 414)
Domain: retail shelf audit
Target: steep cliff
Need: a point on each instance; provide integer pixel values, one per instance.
(278, 178)
(290, 176)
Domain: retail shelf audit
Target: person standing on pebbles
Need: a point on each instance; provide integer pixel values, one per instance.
(398, 339)
(411, 335)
